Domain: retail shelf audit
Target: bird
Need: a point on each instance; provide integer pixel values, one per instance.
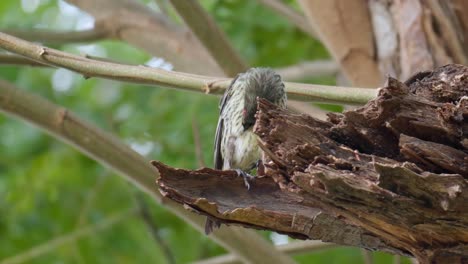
(236, 146)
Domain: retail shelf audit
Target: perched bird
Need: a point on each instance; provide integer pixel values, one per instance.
(236, 145)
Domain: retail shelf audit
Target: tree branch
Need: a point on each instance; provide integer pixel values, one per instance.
(109, 151)
(146, 75)
(13, 59)
(291, 15)
(61, 37)
(309, 69)
(215, 41)
(136, 24)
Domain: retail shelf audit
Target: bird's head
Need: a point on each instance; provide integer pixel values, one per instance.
(263, 83)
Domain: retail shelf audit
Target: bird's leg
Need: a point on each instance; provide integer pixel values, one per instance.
(247, 177)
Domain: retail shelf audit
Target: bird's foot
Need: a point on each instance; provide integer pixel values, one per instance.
(247, 177)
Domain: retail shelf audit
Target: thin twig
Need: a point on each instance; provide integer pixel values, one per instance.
(54, 243)
(147, 75)
(197, 143)
(291, 15)
(60, 37)
(153, 227)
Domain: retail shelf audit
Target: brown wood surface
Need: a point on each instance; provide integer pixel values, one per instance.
(391, 175)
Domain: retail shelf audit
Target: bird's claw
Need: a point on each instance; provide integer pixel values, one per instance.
(247, 177)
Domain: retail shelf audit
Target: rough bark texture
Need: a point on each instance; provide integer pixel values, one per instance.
(418, 35)
(392, 175)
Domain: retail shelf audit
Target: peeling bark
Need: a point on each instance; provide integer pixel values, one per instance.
(391, 176)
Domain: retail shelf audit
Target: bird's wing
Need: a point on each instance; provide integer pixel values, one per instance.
(218, 157)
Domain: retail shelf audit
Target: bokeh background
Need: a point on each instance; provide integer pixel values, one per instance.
(58, 206)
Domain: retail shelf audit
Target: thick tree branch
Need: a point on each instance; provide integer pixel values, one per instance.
(392, 175)
(109, 151)
(146, 75)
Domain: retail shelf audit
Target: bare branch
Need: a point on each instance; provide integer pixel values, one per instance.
(54, 243)
(291, 15)
(146, 75)
(61, 37)
(215, 41)
(13, 59)
(306, 70)
(136, 24)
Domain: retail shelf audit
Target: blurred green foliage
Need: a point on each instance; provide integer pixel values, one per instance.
(49, 190)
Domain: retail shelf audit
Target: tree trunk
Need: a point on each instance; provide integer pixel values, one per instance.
(418, 35)
(391, 176)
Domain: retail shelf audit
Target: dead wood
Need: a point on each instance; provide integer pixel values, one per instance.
(389, 176)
